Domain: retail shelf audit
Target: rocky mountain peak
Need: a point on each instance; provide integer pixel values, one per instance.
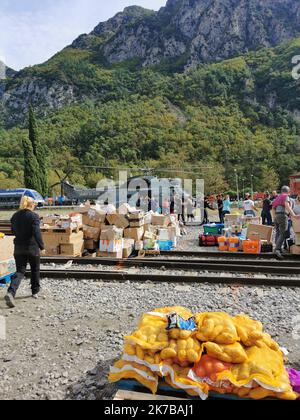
(201, 30)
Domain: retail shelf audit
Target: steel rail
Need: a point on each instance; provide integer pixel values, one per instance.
(108, 276)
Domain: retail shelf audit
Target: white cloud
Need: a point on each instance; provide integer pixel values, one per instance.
(33, 36)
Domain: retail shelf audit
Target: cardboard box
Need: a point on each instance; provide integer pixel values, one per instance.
(110, 246)
(163, 234)
(134, 233)
(52, 251)
(296, 224)
(127, 251)
(137, 223)
(137, 215)
(139, 245)
(118, 255)
(232, 219)
(260, 232)
(56, 238)
(119, 220)
(160, 220)
(93, 218)
(71, 222)
(111, 233)
(248, 220)
(51, 241)
(50, 220)
(73, 250)
(128, 242)
(297, 239)
(65, 238)
(7, 267)
(91, 233)
(6, 248)
(295, 250)
(90, 244)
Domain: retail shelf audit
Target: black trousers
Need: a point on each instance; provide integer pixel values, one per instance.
(22, 260)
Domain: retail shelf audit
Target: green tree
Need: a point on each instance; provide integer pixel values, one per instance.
(31, 169)
(39, 152)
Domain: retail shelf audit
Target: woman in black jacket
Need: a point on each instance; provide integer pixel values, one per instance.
(28, 247)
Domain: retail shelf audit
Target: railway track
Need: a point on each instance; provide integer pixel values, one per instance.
(285, 273)
(161, 278)
(285, 268)
(5, 227)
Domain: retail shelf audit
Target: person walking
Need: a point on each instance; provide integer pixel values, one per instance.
(282, 209)
(226, 206)
(249, 206)
(207, 205)
(220, 208)
(190, 209)
(28, 247)
(266, 211)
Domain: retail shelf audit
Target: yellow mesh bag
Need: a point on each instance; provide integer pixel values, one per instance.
(249, 331)
(264, 367)
(124, 369)
(152, 334)
(177, 377)
(216, 327)
(229, 353)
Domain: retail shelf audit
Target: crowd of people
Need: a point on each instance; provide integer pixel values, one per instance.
(277, 210)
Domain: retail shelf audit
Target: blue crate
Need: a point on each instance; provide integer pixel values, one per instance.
(166, 245)
(4, 281)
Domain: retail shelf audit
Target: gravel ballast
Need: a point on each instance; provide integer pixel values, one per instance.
(62, 345)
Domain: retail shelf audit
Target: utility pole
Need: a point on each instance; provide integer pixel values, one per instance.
(237, 185)
(252, 188)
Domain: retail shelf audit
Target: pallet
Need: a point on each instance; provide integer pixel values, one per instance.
(129, 389)
(140, 396)
(4, 281)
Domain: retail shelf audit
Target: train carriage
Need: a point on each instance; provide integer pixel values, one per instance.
(10, 199)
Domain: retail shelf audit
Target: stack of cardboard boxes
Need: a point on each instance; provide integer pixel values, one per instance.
(63, 235)
(7, 262)
(251, 233)
(108, 233)
(295, 249)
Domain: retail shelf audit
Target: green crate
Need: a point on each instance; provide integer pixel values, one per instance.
(213, 230)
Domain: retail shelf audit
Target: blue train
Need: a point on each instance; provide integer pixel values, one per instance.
(11, 198)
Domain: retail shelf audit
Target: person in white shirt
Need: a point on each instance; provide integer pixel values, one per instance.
(249, 206)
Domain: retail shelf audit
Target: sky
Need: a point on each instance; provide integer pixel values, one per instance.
(32, 31)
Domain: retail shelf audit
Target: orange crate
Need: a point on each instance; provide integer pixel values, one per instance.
(252, 247)
(223, 243)
(234, 244)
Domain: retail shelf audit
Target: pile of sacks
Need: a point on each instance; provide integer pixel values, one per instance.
(203, 353)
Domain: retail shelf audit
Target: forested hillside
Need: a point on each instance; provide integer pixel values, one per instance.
(239, 113)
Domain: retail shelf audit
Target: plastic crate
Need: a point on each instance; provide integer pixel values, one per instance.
(213, 229)
(4, 281)
(166, 245)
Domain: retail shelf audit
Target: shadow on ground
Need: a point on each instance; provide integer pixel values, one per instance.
(95, 385)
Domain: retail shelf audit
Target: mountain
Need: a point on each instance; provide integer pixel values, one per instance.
(179, 37)
(200, 82)
(195, 31)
